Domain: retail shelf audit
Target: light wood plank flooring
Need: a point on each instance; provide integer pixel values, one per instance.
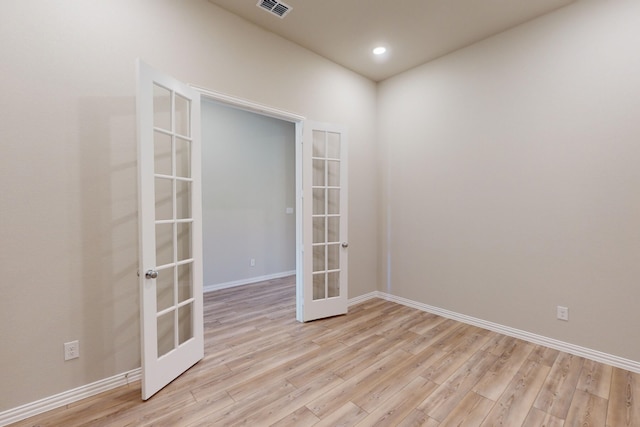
(382, 364)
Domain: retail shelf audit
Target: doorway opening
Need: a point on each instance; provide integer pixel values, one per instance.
(321, 210)
(248, 197)
(250, 266)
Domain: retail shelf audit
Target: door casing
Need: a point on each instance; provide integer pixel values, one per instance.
(298, 121)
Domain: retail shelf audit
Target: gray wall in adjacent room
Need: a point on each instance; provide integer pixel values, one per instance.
(248, 175)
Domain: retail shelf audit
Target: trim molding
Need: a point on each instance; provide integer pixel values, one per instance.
(225, 285)
(67, 397)
(82, 392)
(363, 298)
(595, 355)
(247, 105)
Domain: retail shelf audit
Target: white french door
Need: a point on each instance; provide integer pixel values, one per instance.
(170, 222)
(325, 241)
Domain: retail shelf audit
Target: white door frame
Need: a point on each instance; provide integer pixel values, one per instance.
(298, 120)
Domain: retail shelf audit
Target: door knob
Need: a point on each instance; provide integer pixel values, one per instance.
(151, 274)
(345, 244)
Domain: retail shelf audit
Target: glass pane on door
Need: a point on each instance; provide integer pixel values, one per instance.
(164, 289)
(164, 244)
(174, 222)
(319, 201)
(326, 215)
(164, 198)
(333, 201)
(184, 241)
(319, 286)
(162, 153)
(333, 234)
(333, 173)
(319, 144)
(161, 107)
(185, 323)
(333, 145)
(185, 282)
(318, 172)
(318, 230)
(333, 257)
(182, 115)
(166, 331)
(183, 199)
(333, 284)
(319, 258)
(183, 158)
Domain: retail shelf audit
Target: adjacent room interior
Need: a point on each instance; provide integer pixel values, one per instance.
(248, 197)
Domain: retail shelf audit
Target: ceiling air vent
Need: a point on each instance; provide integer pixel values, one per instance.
(277, 8)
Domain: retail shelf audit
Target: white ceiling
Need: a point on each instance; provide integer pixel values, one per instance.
(414, 31)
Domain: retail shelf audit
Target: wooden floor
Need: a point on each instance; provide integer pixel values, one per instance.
(382, 364)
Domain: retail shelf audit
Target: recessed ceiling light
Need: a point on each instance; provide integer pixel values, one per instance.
(379, 50)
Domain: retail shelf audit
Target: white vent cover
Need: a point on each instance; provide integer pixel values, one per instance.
(275, 7)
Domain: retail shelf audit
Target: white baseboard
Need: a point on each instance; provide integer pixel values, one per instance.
(34, 408)
(363, 298)
(225, 285)
(67, 397)
(595, 355)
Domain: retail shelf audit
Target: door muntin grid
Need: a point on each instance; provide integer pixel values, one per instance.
(326, 188)
(173, 219)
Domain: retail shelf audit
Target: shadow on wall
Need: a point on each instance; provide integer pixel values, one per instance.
(109, 289)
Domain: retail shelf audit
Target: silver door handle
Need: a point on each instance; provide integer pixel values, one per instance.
(345, 244)
(151, 274)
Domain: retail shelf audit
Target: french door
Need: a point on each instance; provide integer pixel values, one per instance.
(170, 227)
(324, 221)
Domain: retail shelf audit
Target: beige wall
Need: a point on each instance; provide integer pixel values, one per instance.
(508, 172)
(68, 166)
(511, 178)
(248, 181)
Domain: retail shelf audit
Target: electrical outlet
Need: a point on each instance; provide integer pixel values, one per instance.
(252, 262)
(71, 350)
(562, 313)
